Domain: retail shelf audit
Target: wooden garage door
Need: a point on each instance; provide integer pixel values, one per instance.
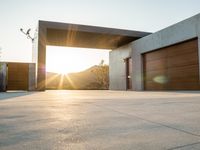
(172, 68)
(17, 78)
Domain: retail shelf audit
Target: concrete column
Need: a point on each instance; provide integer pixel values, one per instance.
(32, 78)
(41, 61)
(117, 67)
(3, 76)
(198, 36)
(199, 54)
(137, 71)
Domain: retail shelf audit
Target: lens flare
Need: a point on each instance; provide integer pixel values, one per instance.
(160, 79)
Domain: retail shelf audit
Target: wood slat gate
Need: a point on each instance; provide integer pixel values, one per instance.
(17, 76)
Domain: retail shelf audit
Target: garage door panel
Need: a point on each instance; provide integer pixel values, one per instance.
(179, 69)
(183, 48)
(183, 60)
(182, 80)
(156, 55)
(183, 86)
(159, 64)
(151, 85)
(177, 52)
(153, 74)
(186, 71)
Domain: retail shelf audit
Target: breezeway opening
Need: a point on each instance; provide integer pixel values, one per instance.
(77, 68)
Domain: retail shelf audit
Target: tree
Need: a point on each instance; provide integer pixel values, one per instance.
(101, 73)
(0, 52)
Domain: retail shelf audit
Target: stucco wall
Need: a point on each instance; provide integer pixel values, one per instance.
(182, 31)
(117, 70)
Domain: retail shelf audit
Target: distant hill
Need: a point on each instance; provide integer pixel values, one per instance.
(95, 78)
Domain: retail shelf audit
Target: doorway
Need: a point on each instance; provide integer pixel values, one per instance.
(128, 62)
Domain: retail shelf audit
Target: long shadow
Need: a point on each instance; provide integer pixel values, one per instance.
(13, 94)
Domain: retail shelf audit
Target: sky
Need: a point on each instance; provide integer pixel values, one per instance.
(142, 15)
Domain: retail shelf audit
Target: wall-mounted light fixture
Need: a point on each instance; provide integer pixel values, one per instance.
(27, 33)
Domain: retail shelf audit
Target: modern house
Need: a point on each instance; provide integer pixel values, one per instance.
(166, 60)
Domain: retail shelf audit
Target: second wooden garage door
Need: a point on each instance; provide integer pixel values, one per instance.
(172, 68)
(17, 76)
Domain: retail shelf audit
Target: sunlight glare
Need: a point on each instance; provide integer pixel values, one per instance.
(64, 60)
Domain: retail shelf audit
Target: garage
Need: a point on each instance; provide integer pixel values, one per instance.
(172, 68)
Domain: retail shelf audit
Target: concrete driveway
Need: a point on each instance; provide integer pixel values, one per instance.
(89, 120)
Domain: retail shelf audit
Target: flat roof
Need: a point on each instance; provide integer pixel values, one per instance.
(76, 35)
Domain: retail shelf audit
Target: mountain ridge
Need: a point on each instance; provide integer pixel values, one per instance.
(95, 77)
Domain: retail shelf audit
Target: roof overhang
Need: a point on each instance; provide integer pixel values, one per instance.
(75, 35)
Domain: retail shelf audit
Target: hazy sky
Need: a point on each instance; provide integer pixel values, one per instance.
(143, 15)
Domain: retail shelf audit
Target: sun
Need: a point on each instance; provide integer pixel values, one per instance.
(61, 70)
(62, 65)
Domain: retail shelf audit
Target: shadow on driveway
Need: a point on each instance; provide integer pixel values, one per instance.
(12, 94)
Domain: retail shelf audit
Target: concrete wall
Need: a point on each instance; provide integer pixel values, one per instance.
(41, 58)
(182, 31)
(3, 71)
(35, 53)
(32, 77)
(117, 67)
